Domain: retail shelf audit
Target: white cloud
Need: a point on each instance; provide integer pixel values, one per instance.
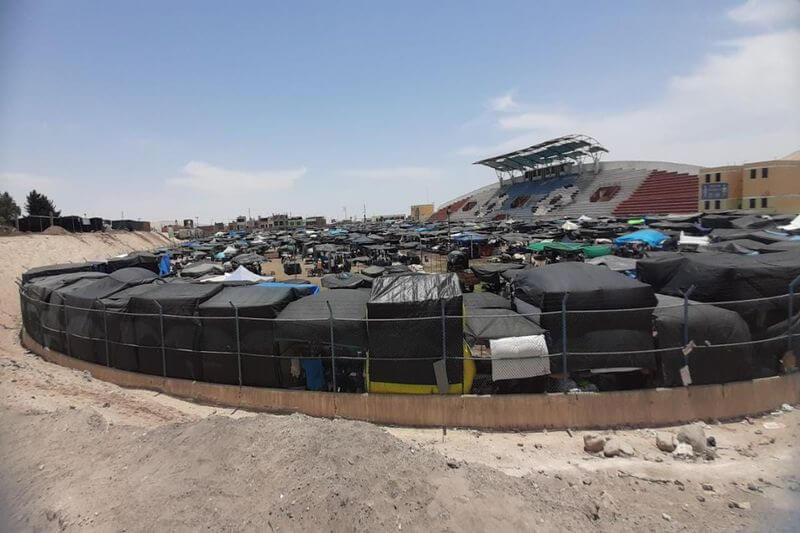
(205, 177)
(392, 173)
(740, 103)
(766, 12)
(536, 120)
(19, 184)
(503, 102)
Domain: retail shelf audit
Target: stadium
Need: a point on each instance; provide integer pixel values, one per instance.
(566, 177)
(567, 274)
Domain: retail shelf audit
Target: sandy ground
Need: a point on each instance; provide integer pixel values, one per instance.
(77, 454)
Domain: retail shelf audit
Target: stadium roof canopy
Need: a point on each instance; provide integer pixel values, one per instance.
(569, 148)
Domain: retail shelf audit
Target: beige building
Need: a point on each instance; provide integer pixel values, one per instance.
(421, 212)
(765, 186)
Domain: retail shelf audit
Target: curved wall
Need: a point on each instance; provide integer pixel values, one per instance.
(637, 408)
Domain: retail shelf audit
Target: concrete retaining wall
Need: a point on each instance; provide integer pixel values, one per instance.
(646, 407)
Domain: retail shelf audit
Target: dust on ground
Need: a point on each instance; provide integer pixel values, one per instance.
(78, 454)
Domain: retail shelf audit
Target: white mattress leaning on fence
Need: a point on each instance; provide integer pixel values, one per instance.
(519, 357)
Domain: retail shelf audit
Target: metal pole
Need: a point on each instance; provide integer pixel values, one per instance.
(333, 350)
(66, 330)
(792, 287)
(444, 335)
(105, 334)
(238, 342)
(564, 334)
(686, 295)
(163, 350)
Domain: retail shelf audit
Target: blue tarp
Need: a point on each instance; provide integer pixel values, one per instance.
(164, 265)
(651, 237)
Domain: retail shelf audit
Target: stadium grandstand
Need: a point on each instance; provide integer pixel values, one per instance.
(566, 177)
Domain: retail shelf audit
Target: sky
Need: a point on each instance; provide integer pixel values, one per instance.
(199, 109)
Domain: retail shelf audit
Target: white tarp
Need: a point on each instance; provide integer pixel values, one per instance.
(241, 274)
(792, 226)
(569, 226)
(692, 241)
(519, 357)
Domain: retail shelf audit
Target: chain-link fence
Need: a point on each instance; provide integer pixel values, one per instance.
(595, 349)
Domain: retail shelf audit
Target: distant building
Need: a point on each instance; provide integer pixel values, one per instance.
(766, 186)
(316, 222)
(296, 222)
(421, 212)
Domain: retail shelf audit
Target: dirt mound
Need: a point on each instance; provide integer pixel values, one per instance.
(55, 230)
(259, 473)
(23, 251)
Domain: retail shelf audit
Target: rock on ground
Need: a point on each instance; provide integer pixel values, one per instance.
(665, 441)
(615, 447)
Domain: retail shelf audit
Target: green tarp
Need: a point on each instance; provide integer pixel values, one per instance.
(588, 250)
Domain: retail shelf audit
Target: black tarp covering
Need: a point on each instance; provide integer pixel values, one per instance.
(482, 325)
(65, 268)
(256, 336)
(750, 222)
(707, 324)
(308, 319)
(121, 326)
(197, 270)
(776, 343)
(627, 327)
(85, 319)
(346, 280)
(133, 275)
(490, 272)
(81, 324)
(415, 296)
(43, 314)
(181, 330)
(485, 300)
(722, 277)
(134, 259)
(373, 271)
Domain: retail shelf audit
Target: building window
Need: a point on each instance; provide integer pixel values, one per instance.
(763, 202)
(752, 203)
(716, 177)
(752, 173)
(708, 178)
(708, 205)
(764, 172)
(716, 204)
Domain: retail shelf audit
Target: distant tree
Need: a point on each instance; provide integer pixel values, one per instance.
(39, 204)
(9, 210)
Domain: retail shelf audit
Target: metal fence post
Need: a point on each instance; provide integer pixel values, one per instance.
(790, 340)
(238, 342)
(686, 296)
(333, 350)
(163, 349)
(66, 329)
(564, 333)
(105, 334)
(444, 334)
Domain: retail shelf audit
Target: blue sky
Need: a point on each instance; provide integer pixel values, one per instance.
(200, 109)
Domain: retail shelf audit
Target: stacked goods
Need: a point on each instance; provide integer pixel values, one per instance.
(591, 287)
(256, 307)
(407, 334)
